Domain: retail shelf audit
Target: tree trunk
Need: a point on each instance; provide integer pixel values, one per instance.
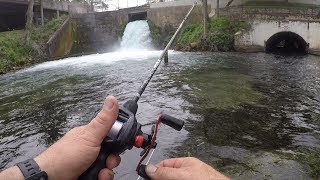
(29, 23)
(217, 8)
(41, 11)
(205, 18)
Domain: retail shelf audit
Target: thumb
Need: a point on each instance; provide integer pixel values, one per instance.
(163, 172)
(102, 123)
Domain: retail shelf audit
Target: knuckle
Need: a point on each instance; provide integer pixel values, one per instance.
(192, 159)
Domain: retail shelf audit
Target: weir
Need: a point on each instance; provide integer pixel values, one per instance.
(136, 36)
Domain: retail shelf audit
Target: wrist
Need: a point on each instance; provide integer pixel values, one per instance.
(12, 173)
(45, 164)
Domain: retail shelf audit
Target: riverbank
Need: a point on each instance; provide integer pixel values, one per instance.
(220, 36)
(15, 53)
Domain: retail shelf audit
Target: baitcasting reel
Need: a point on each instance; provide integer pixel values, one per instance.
(126, 133)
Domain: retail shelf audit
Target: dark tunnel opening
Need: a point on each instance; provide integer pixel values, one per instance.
(137, 16)
(12, 16)
(286, 43)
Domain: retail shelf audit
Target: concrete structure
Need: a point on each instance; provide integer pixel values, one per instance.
(265, 34)
(102, 31)
(49, 4)
(223, 3)
(13, 12)
(170, 17)
(270, 27)
(61, 42)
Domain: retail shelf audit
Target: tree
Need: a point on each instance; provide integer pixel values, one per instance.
(217, 8)
(29, 23)
(41, 10)
(205, 18)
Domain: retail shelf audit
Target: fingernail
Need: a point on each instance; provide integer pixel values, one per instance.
(109, 103)
(151, 169)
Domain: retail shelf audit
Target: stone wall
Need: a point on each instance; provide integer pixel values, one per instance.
(166, 17)
(289, 14)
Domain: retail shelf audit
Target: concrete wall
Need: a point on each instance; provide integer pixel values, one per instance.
(101, 31)
(60, 43)
(173, 3)
(96, 32)
(288, 14)
(223, 3)
(267, 22)
(315, 2)
(54, 5)
(263, 30)
(166, 17)
(71, 7)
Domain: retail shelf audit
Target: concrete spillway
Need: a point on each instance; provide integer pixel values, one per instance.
(137, 36)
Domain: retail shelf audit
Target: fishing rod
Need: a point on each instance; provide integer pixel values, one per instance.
(155, 67)
(126, 131)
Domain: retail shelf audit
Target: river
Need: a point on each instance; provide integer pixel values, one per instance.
(249, 115)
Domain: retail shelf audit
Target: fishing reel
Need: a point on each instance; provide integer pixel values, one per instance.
(126, 133)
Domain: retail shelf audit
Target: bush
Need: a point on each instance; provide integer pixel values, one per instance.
(220, 35)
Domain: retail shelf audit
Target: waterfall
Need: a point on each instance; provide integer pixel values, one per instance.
(136, 36)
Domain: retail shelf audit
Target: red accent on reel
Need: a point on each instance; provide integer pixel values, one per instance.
(138, 142)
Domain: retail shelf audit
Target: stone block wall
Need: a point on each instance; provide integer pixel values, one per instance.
(165, 17)
(289, 14)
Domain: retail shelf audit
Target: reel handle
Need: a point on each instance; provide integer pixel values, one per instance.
(93, 171)
(173, 122)
(142, 172)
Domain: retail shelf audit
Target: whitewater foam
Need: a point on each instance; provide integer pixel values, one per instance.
(136, 36)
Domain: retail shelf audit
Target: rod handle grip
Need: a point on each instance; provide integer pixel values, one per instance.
(93, 171)
(173, 122)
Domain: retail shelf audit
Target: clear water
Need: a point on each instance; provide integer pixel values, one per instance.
(243, 112)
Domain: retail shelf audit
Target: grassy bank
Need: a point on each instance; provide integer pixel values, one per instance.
(15, 53)
(220, 35)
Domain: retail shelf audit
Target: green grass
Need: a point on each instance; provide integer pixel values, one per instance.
(279, 5)
(16, 53)
(220, 35)
(44, 33)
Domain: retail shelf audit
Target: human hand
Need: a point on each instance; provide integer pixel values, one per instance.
(183, 168)
(69, 157)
